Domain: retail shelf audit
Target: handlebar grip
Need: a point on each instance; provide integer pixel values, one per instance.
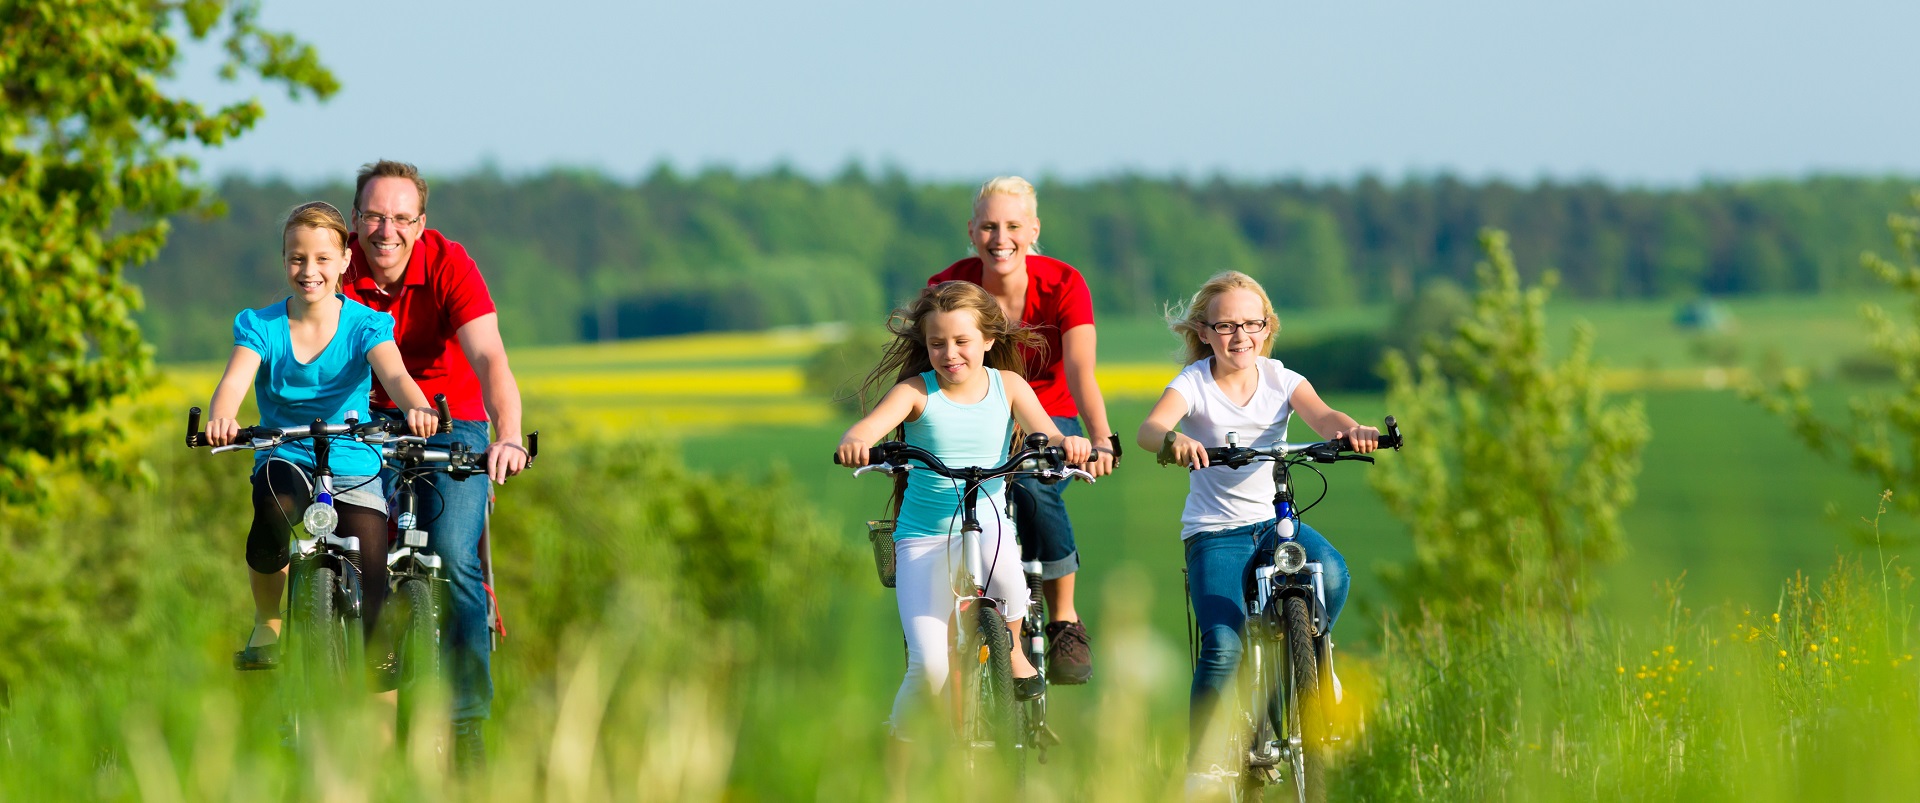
(194, 436)
(446, 418)
(533, 446)
(1391, 440)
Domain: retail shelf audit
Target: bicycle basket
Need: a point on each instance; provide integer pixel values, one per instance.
(880, 534)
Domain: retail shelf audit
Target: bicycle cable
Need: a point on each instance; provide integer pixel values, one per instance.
(1323, 488)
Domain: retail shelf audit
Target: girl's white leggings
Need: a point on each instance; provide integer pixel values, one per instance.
(923, 584)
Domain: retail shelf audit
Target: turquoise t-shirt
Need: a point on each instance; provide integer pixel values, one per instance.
(291, 393)
(961, 435)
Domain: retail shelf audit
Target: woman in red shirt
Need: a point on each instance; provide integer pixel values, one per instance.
(1049, 296)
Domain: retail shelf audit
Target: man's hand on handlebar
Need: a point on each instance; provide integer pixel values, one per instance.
(222, 431)
(421, 421)
(1362, 439)
(852, 452)
(505, 459)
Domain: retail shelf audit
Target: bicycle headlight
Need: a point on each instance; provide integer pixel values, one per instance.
(320, 520)
(1290, 558)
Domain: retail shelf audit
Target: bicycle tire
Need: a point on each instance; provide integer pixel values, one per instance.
(320, 633)
(419, 647)
(1307, 710)
(992, 721)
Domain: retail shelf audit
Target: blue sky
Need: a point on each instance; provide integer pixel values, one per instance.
(1627, 91)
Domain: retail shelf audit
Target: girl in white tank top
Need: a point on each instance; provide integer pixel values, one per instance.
(955, 360)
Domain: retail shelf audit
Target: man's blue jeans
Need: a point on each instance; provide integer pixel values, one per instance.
(454, 514)
(1217, 562)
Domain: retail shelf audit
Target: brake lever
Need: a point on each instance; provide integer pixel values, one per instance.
(887, 467)
(1360, 457)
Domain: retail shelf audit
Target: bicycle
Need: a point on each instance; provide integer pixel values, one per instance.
(1285, 717)
(326, 643)
(420, 595)
(985, 717)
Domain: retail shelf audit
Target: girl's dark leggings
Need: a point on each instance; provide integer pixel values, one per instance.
(280, 496)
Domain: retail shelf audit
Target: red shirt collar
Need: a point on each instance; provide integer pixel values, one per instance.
(362, 275)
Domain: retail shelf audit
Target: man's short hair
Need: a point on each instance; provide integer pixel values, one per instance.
(387, 168)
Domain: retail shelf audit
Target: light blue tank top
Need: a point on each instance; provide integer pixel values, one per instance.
(961, 435)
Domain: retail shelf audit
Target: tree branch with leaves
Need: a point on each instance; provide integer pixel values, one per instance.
(90, 169)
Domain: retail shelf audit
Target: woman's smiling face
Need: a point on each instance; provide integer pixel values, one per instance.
(1004, 230)
(955, 345)
(315, 259)
(1239, 349)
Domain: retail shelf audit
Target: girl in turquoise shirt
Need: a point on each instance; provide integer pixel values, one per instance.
(308, 357)
(956, 359)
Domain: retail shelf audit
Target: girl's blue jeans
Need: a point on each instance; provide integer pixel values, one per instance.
(1217, 568)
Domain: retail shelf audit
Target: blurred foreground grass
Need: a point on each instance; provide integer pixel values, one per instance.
(674, 636)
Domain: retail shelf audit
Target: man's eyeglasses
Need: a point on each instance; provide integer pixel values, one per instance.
(1253, 327)
(373, 221)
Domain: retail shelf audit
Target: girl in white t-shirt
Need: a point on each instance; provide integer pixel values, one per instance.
(1231, 385)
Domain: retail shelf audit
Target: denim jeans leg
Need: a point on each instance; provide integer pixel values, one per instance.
(1333, 570)
(457, 517)
(1216, 569)
(1040, 517)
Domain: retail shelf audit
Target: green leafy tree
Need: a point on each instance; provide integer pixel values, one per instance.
(90, 169)
(1516, 466)
(1880, 436)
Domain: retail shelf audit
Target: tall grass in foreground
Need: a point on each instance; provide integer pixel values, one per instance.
(674, 636)
(1817, 698)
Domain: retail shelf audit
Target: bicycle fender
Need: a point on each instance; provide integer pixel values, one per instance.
(346, 595)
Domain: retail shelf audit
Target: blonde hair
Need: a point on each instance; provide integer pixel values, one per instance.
(1009, 185)
(316, 215)
(1192, 326)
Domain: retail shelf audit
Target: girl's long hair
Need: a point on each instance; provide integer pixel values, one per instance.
(1192, 324)
(906, 357)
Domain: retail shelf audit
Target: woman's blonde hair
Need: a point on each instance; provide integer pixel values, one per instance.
(1009, 185)
(1192, 326)
(317, 215)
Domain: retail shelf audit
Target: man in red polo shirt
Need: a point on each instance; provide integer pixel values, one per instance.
(449, 337)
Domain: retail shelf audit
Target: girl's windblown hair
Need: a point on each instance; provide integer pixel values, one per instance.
(1191, 324)
(906, 357)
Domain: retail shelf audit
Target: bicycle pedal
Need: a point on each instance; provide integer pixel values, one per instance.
(1046, 737)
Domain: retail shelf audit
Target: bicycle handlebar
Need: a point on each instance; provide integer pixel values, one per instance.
(196, 437)
(892, 457)
(1319, 452)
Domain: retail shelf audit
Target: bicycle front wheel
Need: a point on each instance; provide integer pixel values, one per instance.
(1306, 709)
(991, 724)
(320, 638)
(419, 647)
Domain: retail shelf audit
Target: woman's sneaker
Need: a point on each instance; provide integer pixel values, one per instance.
(1069, 656)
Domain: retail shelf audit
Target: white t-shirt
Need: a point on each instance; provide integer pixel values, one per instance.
(1219, 497)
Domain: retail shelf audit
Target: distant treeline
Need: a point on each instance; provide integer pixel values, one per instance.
(575, 256)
